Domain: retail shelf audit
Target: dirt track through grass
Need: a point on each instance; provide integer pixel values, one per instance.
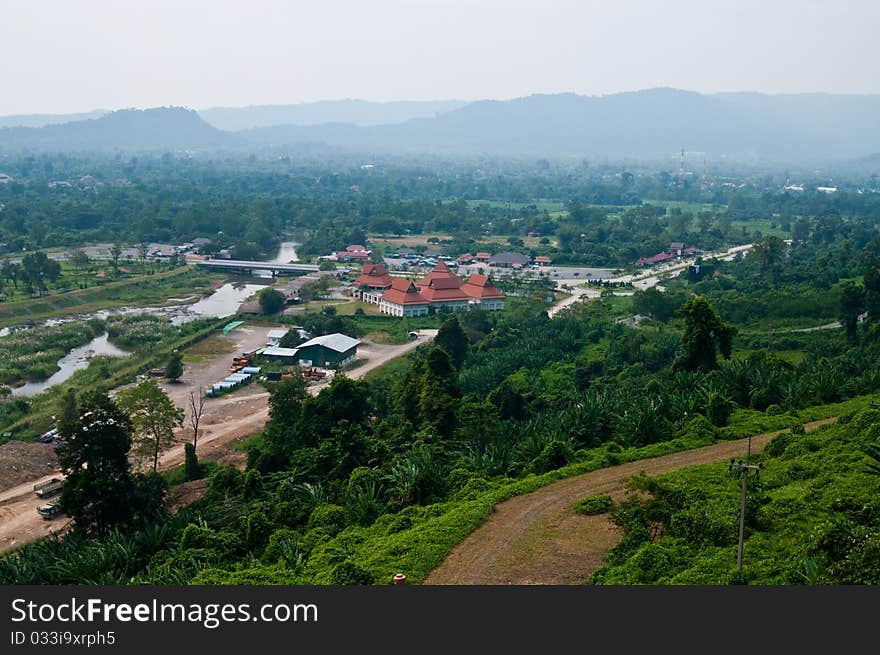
(537, 539)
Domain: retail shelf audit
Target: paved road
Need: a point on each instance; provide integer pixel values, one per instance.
(642, 280)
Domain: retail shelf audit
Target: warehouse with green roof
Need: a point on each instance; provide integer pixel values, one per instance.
(329, 351)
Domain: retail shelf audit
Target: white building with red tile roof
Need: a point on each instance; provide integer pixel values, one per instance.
(483, 293)
(440, 289)
(403, 299)
(372, 283)
(445, 293)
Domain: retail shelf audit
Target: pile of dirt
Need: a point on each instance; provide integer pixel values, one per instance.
(21, 461)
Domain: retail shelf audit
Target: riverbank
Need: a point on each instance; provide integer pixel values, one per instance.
(187, 282)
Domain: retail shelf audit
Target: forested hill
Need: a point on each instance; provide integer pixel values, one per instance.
(356, 112)
(161, 128)
(39, 120)
(650, 124)
(654, 124)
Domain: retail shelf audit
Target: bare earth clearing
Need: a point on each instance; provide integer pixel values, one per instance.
(226, 420)
(537, 539)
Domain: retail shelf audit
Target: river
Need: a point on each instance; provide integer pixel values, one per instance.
(76, 359)
(286, 253)
(224, 302)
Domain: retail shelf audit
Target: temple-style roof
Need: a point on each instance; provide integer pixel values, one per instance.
(374, 276)
(481, 288)
(403, 292)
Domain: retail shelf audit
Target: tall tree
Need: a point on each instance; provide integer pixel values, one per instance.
(872, 290)
(153, 417)
(285, 408)
(852, 304)
(69, 416)
(439, 395)
(196, 410)
(704, 336)
(80, 260)
(99, 490)
(12, 271)
(769, 251)
(115, 254)
(452, 339)
(271, 300)
(174, 367)
(143, 251)
(38, 268)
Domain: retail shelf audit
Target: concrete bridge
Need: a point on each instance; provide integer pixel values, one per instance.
(247, 268)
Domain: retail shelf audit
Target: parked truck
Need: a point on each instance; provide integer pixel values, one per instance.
(50, 488)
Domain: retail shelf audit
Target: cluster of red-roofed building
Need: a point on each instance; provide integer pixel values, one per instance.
(440, 289)
(354, 253)
(676, 250)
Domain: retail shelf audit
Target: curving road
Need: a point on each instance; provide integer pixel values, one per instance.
(536, 539)
(642, 280)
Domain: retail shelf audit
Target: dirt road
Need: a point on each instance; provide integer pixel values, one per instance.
(537, 539)
(226, 420)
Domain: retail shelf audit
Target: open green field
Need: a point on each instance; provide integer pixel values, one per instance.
(766, 226)
(415, 240)
(686, 206)
(542, 205)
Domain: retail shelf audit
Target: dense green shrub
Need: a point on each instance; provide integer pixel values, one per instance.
(594, 505)
(349, 573)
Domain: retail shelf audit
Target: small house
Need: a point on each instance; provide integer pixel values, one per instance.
(274, 337)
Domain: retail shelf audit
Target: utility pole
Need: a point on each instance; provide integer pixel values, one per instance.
(744, 468)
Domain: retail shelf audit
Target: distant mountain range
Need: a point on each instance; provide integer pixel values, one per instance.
(164, 128)
(645, 125)
(357, 112)
(41, 120)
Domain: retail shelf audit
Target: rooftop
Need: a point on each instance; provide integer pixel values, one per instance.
(338, 342)
(481, 287)
(403, 292)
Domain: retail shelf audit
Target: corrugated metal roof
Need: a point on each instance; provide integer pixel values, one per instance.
(277, 351)
(276, 334)
(338, 342)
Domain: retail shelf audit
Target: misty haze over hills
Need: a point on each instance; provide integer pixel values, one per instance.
(356, 112)
(41, 120)
(646, 125)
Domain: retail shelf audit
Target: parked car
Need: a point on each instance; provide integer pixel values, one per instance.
(50, 510)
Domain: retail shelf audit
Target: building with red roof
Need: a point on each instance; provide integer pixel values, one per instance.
(403, 299)
(445, 293)
(439, 289)
(374, 280)
(659, 258)
(483, 293)
(440, 272)
(543, 260)
(353, 255)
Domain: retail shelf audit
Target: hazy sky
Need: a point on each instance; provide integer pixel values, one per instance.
(76, 55)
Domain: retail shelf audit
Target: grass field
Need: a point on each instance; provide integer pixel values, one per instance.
(416, 240)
